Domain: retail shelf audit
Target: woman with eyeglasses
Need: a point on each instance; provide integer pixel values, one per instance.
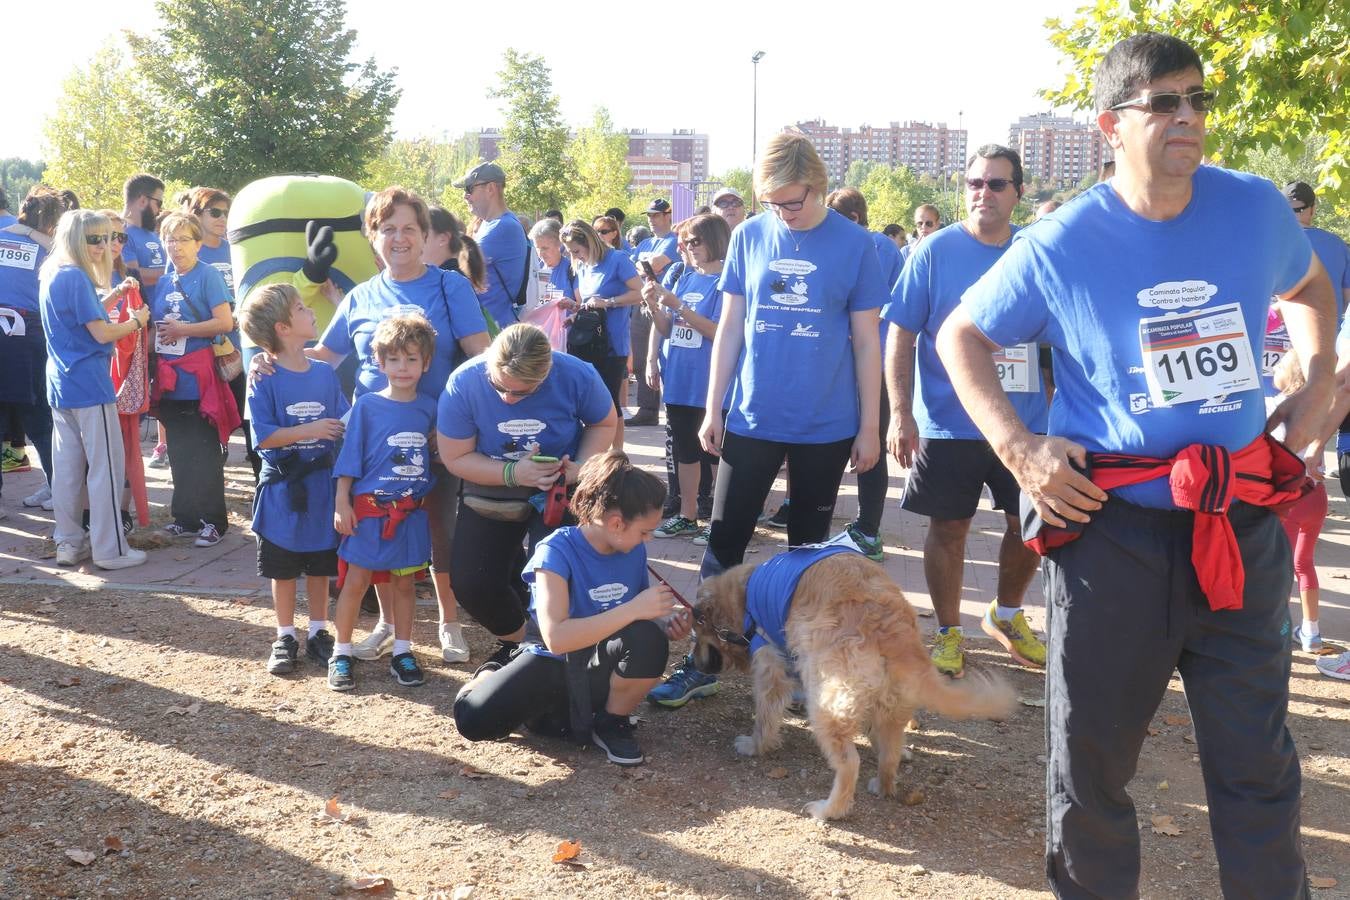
(87, 456)
(23, 346)
(510, 423)
(607, 280)
(609, 232)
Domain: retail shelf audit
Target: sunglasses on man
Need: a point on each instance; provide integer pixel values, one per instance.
(1165, 103)
(997, 185)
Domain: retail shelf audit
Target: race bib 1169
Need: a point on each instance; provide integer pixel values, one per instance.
(1196, 356)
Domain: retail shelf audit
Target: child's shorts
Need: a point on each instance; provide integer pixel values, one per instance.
(383, 576)
(280, 564)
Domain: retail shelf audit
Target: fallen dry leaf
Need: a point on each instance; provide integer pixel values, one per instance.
(1032, 701)
(777, 772)
(332, 812)
(1165, 825)
(1318, 881)
(567, 850)
(369, 881)
(470, 772)
(449, 794)
(1176, 720)
(190, 710)
(1163, 785)
(83, 857)
(113, 844)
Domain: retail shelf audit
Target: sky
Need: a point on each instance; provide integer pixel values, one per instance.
(977, 64)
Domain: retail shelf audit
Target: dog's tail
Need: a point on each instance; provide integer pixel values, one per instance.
(979, 695)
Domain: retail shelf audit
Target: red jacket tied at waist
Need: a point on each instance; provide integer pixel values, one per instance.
(365, 506)
(1205, 479)
(217, 403)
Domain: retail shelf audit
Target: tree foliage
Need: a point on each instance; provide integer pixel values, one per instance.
(1281, 70)
(241, 89)
(740, 179)
(428, 167)
(92, 139)
(534, 136)
(17, 176)
(599, 157)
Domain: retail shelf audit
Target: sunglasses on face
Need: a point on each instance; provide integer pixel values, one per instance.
(1299, 209)
(693, 242)
(788, 206)
(1167, 102)
(93, 240)
(216, 212)
(997, 185)
(508, 392)
(605, 231)
(728, 204)
(120, 237)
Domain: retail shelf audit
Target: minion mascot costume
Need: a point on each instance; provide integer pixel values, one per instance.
(303, 230)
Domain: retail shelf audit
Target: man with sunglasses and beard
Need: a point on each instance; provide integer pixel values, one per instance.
(951, 460)
(1152, 290)
(142, 253)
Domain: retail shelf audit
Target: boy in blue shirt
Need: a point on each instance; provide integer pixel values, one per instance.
(296, 417)
(383, 475)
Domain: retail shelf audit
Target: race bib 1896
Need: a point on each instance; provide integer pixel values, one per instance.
(1017, 368)
(1198, 355)
(18, 255)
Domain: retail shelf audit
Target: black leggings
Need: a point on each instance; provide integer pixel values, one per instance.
(196, 464)
(486, 559)
(873, 483)
(744, 477)
(531, 690)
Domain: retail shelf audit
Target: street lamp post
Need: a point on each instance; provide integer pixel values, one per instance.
(754, 122)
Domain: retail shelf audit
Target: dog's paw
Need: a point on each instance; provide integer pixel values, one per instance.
(745, 745)
(820, 810)
(906, 755)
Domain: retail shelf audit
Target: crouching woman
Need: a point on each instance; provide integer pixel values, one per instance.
(598, 636)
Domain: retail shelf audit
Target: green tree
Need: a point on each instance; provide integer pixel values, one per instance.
(740, 179)
(17, 177)
(891, 193)
(241, 89)
(599, 157)
(858, 170)
(428, 167)
(534, 136)
(90, 138)
(1282, 168)
(1281, 70)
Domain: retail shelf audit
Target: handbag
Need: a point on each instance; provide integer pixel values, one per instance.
(130, 363)
(229, 361)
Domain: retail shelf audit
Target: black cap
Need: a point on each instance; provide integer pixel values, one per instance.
(482, 174)
(1300, 192)
(659, 205)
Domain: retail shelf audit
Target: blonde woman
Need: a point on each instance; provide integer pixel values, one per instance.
(87, 455)
(509, 422)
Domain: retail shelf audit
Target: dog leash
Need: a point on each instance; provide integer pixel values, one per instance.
(666, 584)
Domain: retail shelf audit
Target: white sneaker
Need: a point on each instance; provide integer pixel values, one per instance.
(132, 557)
(68, 554)
(454, 649)
(42, 498)
(379, 642)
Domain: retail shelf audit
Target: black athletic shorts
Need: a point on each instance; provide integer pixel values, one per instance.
(950, 474)
(280, 564)
(613, 372)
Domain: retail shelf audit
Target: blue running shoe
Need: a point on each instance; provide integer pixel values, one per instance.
(683, 685)
(406, 671)
(340, 674)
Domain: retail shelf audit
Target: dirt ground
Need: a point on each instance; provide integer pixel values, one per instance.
(141, 733)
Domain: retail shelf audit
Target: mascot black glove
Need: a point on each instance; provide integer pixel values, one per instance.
(322, 252)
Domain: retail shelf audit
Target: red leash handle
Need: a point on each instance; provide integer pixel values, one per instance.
(678, 596)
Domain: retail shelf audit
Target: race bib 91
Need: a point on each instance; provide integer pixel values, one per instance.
(1196, 356)
(1017, 368)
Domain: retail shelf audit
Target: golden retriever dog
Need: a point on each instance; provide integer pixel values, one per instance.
(861, 661)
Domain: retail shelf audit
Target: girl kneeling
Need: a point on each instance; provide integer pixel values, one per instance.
(598, 636)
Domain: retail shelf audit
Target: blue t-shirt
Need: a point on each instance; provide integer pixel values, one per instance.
(768, 593)
(667, 246)
(78, 367)
(7, 220)
(454, 315)
(285, 400)
(1335, 258)
(20, 259)
(572, 397)
(1099, 284)
(686, 355)
(796, 381)
(562, 278)
(889, 256)
(596, 582)
(189, 297)
(143, 250)
(386, 450)
(503, 243)
(609, 278)
(930, 287)
(218, 258)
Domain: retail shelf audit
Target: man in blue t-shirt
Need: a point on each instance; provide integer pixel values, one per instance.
(142, 253)
(660, 250)
(951, 461)
(1152, 289)
(506, 251)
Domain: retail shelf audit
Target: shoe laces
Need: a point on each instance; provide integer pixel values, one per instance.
(342, 666)
(407, 663)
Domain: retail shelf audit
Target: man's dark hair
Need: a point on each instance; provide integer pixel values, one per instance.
(998, 151)
(71, 199)
(616, 214)
(1137, 60)
(1300, 192)
(892, 230)
(140, 186)
(554, 214)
